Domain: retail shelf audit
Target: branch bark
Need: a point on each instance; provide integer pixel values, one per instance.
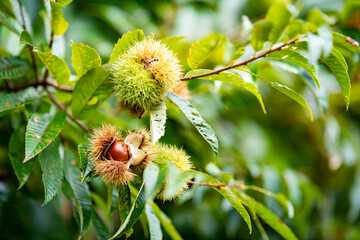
(245, 62)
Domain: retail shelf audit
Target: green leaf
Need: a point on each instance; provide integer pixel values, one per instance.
(157, 122)
(64, 2)
(297, 59)
(295, 28)
(260, 34)
(56, 66)
(230, 196)
(41, 130)
(199, 51)
(52, 170)
(340, 40)
(285, 90)
(265, 214)
(124, 202)
(165, 222)
(58, 22)
(101, 230)
(89, 86)
(134, 213)
(194, 117)
(12, 67)
(84, 58)
(154, 224)
(234, 79)
(279, 16)
(15, 100)
(6, 7)
(86, 164)
(126, 41)
(153, 177)
(9, 24)
(25, 38)
(16, 155)
(81, 193)
(338, 66)
(175, 181)
(277, 196)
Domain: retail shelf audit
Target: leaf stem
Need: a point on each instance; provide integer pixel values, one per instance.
(245, 62)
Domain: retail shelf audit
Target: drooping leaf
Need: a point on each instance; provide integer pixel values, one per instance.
(233, 79)
(154, 224)
(41, 130)
(56, 66)
(12, 67)
(14, 100)
(101, 230)
(153, 177)
(338, 66)
(285, 90)
(25, 38)
(9, 23)
(16, 155)
(86, 165)
(124, 202)
(260, 34)
(166, 222)
(227, 193)
(134, 213)
(199, 51)
(89, 86)
(194, 116)
(157, 122)
(297, 59)
(81, 193)
(344, 41)
(277, 196)
(265, 214)
(52, 170)
(58, 22)
(125, 42)
(84, 58)
(279, 16)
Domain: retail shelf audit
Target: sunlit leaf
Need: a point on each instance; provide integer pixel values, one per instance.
(344, 41)
(194, 117)
(58, 22)
(297, 59)
(199, 51)
(234, 79)
(153, 177)
(125, 42)
(16, 155)
(84, 58)
(338, 66)
(12, 67)
(25, 38)
(56, 66)
(260, 34)
(52, 170)
(279, 16)
(88, 87)
(157, 122)
(41, 130)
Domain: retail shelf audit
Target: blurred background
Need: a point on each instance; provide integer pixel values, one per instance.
(316, 164)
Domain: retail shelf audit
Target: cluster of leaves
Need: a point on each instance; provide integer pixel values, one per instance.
(38, 85)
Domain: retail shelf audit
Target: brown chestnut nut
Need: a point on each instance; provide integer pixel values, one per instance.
(118, 151)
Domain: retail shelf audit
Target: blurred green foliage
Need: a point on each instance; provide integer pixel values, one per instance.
(315, 164)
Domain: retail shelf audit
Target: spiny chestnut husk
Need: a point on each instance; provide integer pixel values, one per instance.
(113, 158)
(144, 73)
(166, 153)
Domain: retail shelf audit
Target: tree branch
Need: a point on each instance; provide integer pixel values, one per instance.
(245, 62)
(14, 88)
(62, 107)
(220, 185)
